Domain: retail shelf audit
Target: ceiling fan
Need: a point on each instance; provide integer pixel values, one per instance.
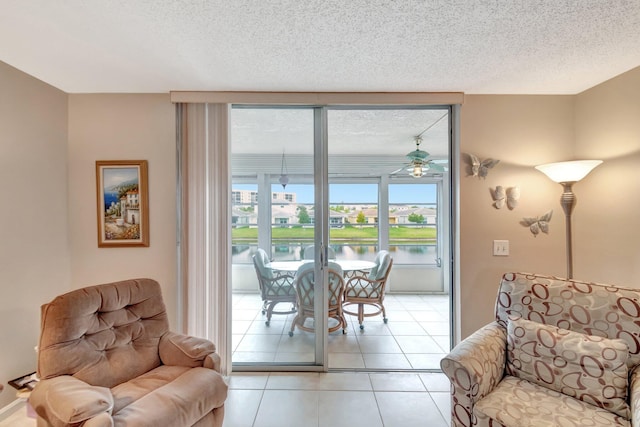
(419, 163)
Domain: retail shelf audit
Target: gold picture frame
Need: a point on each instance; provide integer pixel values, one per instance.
(122, 203)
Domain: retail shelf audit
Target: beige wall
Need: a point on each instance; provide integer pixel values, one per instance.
(40, 256)
(607, 228)
(34, 249)
(121, 127)
(523, 131)
(520, 131)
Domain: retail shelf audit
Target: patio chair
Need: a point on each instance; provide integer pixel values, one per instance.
(369, 289)
(275, 286)
(309, 252)
(304, 285)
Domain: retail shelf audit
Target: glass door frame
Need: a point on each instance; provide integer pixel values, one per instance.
(322, 224)
(321, 235)
(321, 229)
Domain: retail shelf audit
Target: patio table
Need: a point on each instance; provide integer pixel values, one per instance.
(346, 265)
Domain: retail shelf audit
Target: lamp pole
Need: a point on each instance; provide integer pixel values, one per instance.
(568, 202)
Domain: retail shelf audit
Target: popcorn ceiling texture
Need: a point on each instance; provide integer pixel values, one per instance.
(472, 46)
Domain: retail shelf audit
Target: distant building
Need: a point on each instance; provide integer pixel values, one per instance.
(285, 211)
(244, 197)
(429, 215)
(250, 197)
(241, 216)
(370, 216)
(286, 197)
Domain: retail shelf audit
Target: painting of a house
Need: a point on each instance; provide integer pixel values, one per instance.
(122, 219)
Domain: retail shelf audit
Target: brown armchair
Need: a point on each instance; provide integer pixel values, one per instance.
(106, 357)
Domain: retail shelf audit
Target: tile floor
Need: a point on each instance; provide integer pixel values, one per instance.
(416, 336)
(338, 399)
(326, 399)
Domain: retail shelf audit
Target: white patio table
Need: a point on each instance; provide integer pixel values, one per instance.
(346, 265)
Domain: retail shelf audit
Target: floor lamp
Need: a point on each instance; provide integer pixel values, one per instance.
(567, 174)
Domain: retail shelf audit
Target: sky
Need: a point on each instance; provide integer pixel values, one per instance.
(114, 175)
(358, 193)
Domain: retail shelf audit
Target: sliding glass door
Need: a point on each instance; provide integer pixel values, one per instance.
(387, 170)
(319, 195)
(277, 238)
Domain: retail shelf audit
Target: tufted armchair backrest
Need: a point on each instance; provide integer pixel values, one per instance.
(103, 335)
(588, 308)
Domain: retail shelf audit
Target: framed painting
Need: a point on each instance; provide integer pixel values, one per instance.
(123, 203)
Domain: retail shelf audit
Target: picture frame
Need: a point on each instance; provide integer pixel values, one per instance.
(122, 203)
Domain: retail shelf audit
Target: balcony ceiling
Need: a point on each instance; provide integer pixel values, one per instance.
(471, 46)
(358, 133)
(361, 142)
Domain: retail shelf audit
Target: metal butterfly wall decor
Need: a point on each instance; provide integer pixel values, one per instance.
(480, 168)
(510, 197)
(538, 224)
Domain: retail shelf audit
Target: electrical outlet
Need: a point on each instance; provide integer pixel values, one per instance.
(500, 248)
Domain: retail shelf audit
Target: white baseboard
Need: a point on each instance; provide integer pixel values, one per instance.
(11, 408)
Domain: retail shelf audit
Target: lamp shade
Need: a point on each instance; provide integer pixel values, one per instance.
(571, 171)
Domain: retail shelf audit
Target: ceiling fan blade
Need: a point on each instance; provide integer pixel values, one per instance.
(403, 167)
(436, 167)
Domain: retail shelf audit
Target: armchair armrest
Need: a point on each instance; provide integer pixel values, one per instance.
(66, 400)
(183, 350)
(634, 396)
(475, 367)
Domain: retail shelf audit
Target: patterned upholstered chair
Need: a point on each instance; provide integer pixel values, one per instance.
(368, 289)
(304, 287)
(275, 287)
(560, 353)
(106, 357)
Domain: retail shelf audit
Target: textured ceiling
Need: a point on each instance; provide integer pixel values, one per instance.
(471, 46)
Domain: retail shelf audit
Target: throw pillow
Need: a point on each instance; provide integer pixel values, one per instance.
(586, 367)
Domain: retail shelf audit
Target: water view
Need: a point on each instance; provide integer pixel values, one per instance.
(402, 254)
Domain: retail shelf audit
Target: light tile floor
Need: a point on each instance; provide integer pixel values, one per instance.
(338, 399)
(416, 336)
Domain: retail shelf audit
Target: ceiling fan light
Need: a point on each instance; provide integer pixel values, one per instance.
(417, 171)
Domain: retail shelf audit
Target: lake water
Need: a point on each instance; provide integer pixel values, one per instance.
(402, 254)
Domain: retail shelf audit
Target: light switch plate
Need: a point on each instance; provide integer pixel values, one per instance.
(500, 248)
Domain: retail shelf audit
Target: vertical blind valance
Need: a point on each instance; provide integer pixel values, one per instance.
(321, 98)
